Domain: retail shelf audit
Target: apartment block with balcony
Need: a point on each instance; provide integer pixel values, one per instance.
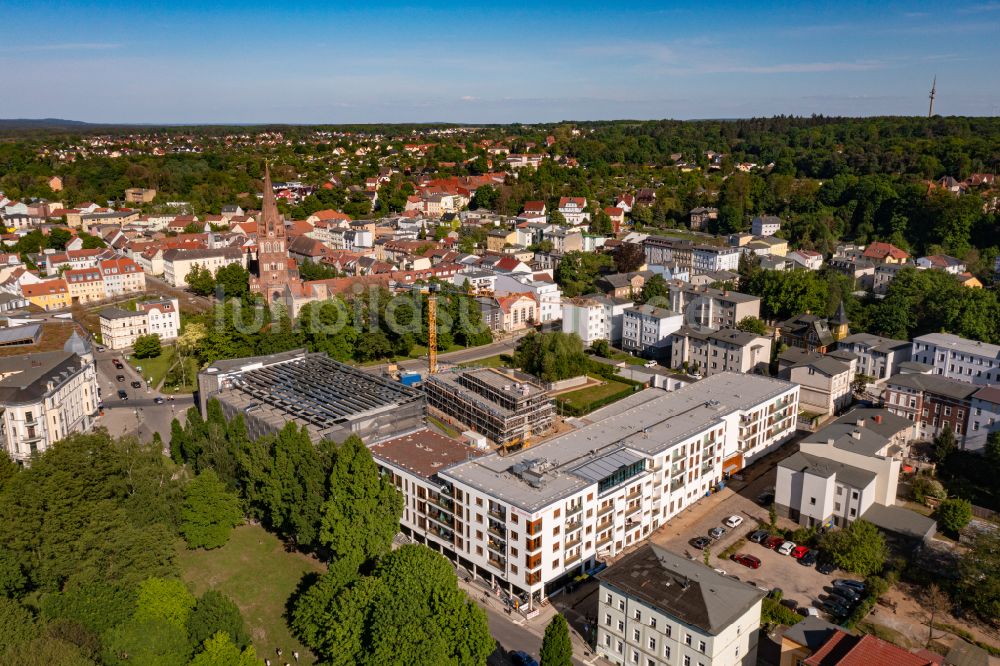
(711, 352)
(595, 317)
(711, 308)
(532, 520)
(955, 357)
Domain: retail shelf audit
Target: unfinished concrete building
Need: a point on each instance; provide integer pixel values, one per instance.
(505, 406)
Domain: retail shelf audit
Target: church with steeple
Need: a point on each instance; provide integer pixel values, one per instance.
(275, 269)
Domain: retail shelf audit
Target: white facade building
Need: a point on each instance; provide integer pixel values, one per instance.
(708, 258)
(712, 352)
(120, 328)
(532, 519)
(595, 317)
(955, 357)
(765, 225)
(648, 329)
(542, 288)
(657, 608)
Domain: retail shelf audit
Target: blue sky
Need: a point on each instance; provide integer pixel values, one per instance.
(305, 62)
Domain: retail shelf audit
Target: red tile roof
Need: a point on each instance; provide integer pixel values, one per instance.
(843, 649)
(879, 250)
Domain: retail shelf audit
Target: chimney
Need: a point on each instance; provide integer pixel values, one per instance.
(877, 418)
(829, 441)
(860, 423)
(856, 434)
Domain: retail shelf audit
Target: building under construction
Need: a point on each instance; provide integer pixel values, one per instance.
(504, 405)
(331, 399)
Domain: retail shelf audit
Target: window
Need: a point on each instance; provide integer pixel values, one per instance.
(607, 619)
(836, 506)
(621, 625)
(701, 646)
(666, 630)
(854, 512)
(812, 501)
(635, 635)
(652, 644)
(666, 651)
(638, 615)
(607, 598)
(621, 604)
(687, 660)
(652, 622)
(854, 494)
(687, 639)
(607, 639)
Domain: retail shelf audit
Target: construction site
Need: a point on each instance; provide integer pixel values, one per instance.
(505, 406)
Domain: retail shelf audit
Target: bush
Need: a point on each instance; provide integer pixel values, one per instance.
(773, 613)
(954, 514)
(147, 346)
(924, 487)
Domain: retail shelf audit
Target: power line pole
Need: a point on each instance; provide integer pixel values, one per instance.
(930, 111)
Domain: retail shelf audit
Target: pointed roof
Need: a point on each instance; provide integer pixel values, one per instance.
(273, 224)
(76, 345)
(841, 316)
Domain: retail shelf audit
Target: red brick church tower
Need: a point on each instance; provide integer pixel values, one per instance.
(275, 269)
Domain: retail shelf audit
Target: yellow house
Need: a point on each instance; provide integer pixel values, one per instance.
(801, 640)
(48, 295)
(85, 285)
(499, 238)
(969, 280)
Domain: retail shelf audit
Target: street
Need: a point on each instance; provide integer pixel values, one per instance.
(139, 414)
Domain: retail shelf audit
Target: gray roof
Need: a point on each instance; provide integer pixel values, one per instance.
(873, 434)
(875, 342)
(916, 366)
(936, 384)
(652, 311)
(202, 253)
(647, 422)
(27, 334)
(811, 632)
(799, 358)
(959, 344)
(899, 520)
(25, 378)
(735, 337)
(231, 364)
(681, 588)
(118, 313)
(855, 477)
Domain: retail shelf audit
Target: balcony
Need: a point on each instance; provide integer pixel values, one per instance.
(497, 546)
(573, 525)
(574, 541)
(571, 559)
(603, 511)
(677, 485)
(604, 540)
(604, 524)
(576, 508)
(632, 510)
(445, 503)
(634, 494)
(499, 514)
(441, 517)
(498, 562)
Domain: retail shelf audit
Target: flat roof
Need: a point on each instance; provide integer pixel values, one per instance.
(424, 452)
(900, 520)
(647, 422)
(684, 589)
(959, 344)
(952, 388)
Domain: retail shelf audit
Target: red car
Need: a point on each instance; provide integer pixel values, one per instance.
(747, 560)
(799, 552)
(773, 542)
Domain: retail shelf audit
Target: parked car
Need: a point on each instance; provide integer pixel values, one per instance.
(717, 532)
(806, 611)
(786, 548)
(650, 364)
(799, 551)
(734, 521)
(826, 568)
(773, 542)
(790, 604)
(521, 658)
(747, 560)
(809, 559)
(158, 400)
(849, 599)
(701, 543)
(136, 384)
(100, 348)
(833, 608)
(122, 394)
(119, 378)
(847, 582)
(766, 497)
(118, 364)
(759, 536)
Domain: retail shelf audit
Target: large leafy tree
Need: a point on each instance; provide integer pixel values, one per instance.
(96, 606)
(980, 575)
(859, 548)
(213, 613)
(954, 514)
(361, 515)
(147, 346)
(200, 280)
(628, 257)
(551, 356)
(578, 271)
(233, 280)
(655, 291)
(557, 649)
(166, 599)
(152, 642)
(219, 650)
(210, 511)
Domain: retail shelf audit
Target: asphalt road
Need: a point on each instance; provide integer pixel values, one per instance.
(139, 414)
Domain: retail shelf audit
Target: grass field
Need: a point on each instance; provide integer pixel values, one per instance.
(587, 395)
(254, 570)
(154, 369)
(628, 358)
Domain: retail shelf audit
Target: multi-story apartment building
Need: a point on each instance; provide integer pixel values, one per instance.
(574, 210)
(711, 308)
(595, 317)
(877, 357)
(708, 258)
(533, 519)
(647, 329)
(984, 417)
(662, 251)
(122, 276)
(85, 285)
(542, 288)
(825, 379)
(48, 295)
(178, 263)
(765, 225)
(120, 328)
(658, 608)
(930, 403)
(505, 406)
(44, 397)
(139, 195)
(955, 357)
(711, 352)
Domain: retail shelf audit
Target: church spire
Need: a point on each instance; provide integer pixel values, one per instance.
(839, 323)
(270, 217)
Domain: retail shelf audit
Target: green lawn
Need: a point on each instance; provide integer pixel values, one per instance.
(154, 369)
(628, 358)
(254, 570)
(583, 397)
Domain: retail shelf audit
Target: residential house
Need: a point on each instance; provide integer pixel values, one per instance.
(844, 648)
(878, 357)
(942, 262)
(707, 258)
(120, 328)
(931, 403)
(806, 258)
(702, 216)
(825, 380)
(518, 310)
(712, 308)
(177, 263)
(48, 295)
(122, 276)
(885, 253)
(617, 217)
(955, 357)
(85, 285)
(574, 210)
(624, 285)
(765, 225)
(139, 195)
(498, 239)
(813, 333)
(540, 286)
(711, 352)
(647, 330)
(595, 317)
(803, 639)
(984, 417)
(657, 607)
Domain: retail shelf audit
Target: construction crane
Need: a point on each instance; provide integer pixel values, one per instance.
(432, 295)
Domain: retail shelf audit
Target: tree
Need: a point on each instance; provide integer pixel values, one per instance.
(992, 451)
(944, 443)
(557, 218)
(860, 383)
(859, 547)
(19, 625)
(655, 291)
(13, 580)
(200, 280)
(979, 571)
(152, 642)
(924, 486)
(557, 649)
(551, 356)
(601, 347)
(954, 514)
(629, 257)
(751, 324)
(485, 197)
(166, 599)
(215, 612)
(219, 650)
(147, 346)
(96, 606)
(59, 238)
(600, 224)
(210, 511)
(232, 281)
(361, 515)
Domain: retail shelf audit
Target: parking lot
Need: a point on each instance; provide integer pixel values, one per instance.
(801, 583)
